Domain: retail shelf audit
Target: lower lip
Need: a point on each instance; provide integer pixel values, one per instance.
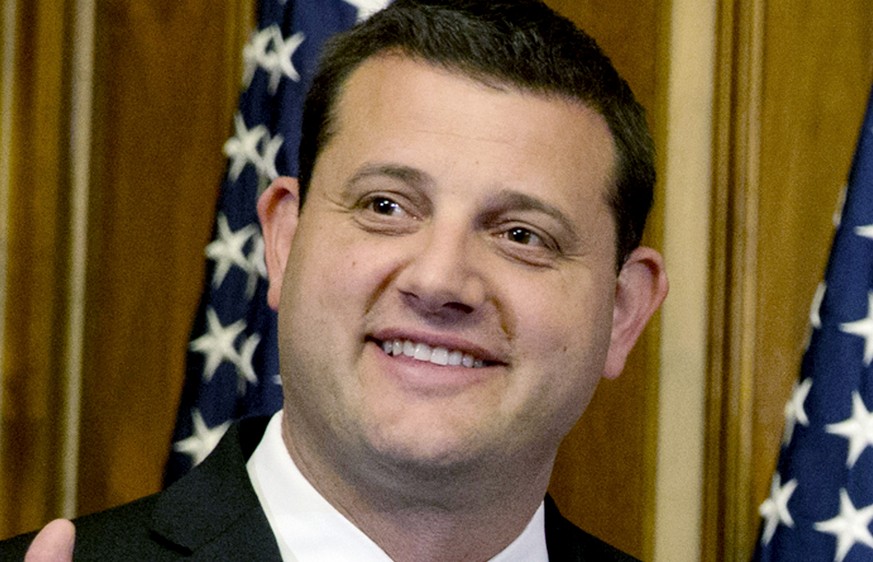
(428, 378)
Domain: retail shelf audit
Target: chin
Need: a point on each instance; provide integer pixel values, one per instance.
(425, 451)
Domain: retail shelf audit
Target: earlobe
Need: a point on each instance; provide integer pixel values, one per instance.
(641, 288)
(278, 209)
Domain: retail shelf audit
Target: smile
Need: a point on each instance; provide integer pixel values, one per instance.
(428, 354)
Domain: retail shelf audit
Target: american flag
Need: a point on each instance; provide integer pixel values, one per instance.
(232, 362)
(821, 500)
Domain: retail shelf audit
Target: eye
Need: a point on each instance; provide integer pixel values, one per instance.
(524, 236)
(385, 206)
(386, 213)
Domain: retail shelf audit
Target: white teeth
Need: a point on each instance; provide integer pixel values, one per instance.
(435, 355)
(422, 352)
(440, 356)
(455, 358)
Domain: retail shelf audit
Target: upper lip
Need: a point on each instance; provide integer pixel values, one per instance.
(447, 341)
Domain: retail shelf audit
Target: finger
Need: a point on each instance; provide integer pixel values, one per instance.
(54, 543)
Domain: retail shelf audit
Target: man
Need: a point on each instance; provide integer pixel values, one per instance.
(455, 269)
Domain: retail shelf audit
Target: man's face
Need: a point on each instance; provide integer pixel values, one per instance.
(450, 292)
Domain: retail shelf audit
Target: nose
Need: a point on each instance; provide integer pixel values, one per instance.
(443, 279)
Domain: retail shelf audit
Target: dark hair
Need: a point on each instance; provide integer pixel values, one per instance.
(521, 43)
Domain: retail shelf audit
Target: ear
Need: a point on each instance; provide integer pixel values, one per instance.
(278, 209)
(640, 289)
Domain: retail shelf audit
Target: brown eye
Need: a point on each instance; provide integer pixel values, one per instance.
(523, 236)
(385, 206)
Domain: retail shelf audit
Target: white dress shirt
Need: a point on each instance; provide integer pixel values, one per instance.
(309, 529)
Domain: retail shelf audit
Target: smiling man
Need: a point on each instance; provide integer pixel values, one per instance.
(455, 270)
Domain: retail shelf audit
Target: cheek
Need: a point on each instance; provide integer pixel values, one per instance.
(566, 338)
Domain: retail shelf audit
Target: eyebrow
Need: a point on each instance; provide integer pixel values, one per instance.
(405, 174)
(511, 199)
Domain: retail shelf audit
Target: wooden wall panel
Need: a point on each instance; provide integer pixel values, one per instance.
(605, 472)
(35, 300)
(167, 78)
(795, 79)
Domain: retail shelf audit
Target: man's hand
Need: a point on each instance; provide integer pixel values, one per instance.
(54, 543)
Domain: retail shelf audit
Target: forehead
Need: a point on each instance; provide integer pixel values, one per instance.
(394, 106)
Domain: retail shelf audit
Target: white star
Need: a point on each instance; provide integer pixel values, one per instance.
(217, 343)
(243, 362)
(367, 8)
(815, 313)
(253, 54)
(864, 329)
(841, 205)
(794, 412)
(242, 148)
(227, 249)
(267, 160)
(203, 439)
(774, 510)
(255, 265)
(815, 307)
(858, 429)
(865, 231)
(278, 61)
(850, 526)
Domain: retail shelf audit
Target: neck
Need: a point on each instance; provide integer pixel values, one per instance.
(446, 513)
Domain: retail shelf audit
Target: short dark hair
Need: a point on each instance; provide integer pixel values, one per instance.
(521, 43)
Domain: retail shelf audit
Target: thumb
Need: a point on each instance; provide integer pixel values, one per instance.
(54, 543)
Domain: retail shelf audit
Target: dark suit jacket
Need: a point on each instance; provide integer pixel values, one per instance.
(213, 513)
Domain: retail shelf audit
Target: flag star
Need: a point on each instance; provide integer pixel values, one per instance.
(815, 307)
(864, 329)
(367, 8)
(203, 439)
(242, 148)
(850, 526)
(794, 411)
(244, 366)
(865, 231)
(278, 61)
(227, 249)
(267, 160)
(254, 52)
(841, 204)
(858, 429)
(217, 343)
(255, 265)
(774, 510)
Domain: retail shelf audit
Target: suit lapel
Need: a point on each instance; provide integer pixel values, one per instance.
(213, 512)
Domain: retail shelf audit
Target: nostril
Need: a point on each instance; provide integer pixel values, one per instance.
(459, 307)
(437, 304)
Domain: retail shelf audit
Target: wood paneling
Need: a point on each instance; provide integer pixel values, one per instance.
(794, 81)
(167, 78)
(35, 299)
(605, 472)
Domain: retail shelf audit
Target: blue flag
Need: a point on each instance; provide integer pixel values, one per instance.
(232, 367)
(821, 500)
